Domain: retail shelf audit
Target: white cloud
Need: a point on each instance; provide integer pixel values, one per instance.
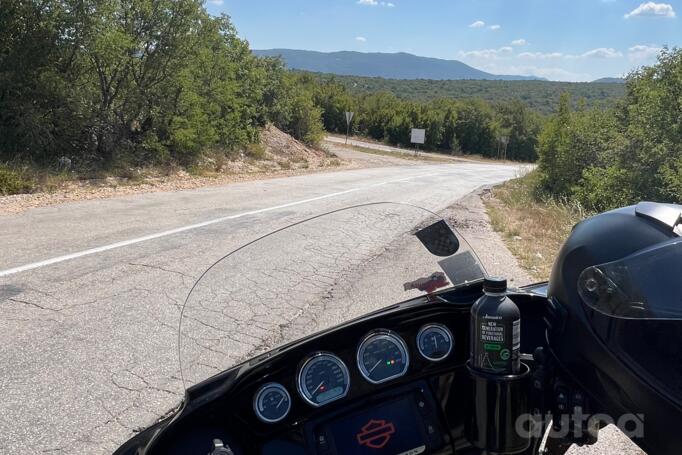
(642, 53)
(519, 42)
(477, 24)
(540, 55)
(551, 73)
(360, 39)
(602, 52)
(215, 2)
(375, 3)
(487, 54)
(555, 74)
(495, 27)
(507, 52)
(652, 9)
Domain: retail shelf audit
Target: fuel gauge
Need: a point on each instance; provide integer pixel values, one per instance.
(434, 342)
(272, 403)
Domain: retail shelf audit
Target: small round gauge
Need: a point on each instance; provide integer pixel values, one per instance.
(323, 378)
(382, 356)
(272, 402)
(434, 342)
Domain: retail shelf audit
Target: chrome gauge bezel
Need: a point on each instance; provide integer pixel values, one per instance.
(423, 331)
(317, 357)
(261, 394)
(385, 334)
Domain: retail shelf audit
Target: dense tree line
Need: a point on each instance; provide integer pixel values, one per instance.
(540, 96)
(633, 152)
(136, 81)
(465, 126)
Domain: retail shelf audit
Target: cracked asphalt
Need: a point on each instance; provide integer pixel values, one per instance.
(91, 292)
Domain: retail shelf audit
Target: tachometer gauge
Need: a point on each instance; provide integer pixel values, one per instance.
(272, 403)
(382, 356)
(323, 378)
(434, 342)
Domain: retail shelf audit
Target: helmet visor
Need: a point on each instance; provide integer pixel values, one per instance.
(645, 285)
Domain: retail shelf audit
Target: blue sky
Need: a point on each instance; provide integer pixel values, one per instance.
(575, 40)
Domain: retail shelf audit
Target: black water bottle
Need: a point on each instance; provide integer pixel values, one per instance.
(495, 330)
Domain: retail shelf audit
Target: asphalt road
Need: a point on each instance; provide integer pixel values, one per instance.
(90, 292)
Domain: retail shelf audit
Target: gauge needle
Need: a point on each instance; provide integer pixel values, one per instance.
(280, 402)
(375, 366)
(435, 341)
(318, 387)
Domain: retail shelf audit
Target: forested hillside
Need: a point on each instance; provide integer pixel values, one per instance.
(540, 96)
(399, 65)
(469, 126)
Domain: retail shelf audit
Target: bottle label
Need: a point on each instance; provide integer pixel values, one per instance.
(498, 345)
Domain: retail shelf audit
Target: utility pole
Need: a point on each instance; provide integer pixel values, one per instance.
(505, 141)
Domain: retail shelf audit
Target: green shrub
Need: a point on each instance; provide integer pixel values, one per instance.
(13, 182)
(605, 188)
(607, 159)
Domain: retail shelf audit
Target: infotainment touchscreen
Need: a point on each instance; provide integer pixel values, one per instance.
(394, 428)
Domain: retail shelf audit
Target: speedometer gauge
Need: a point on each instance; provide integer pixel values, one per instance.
(272, 403)
(323, 378)
(434, 342)
(382, 356)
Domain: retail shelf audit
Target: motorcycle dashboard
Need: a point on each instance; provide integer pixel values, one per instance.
(360, 360)
(325, 384)
(436, 388)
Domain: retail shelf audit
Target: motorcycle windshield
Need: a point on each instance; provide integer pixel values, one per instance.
(313, 275)
(646, 285)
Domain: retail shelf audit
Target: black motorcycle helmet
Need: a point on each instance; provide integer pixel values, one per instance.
(618, 282)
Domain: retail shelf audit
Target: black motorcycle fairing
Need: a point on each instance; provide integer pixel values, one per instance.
(222, 404)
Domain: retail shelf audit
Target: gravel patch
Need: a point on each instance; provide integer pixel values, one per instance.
(469, 217)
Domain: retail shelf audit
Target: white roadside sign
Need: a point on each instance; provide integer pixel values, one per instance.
(349, 118)
(418, 136)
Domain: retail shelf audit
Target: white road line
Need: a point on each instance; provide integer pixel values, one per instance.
(101, 249)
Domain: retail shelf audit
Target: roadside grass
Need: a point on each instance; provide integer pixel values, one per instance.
(408, 155)
(447, 156)
(532, 226)
(27, 179)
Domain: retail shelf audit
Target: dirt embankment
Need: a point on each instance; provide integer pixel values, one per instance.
(277, 155)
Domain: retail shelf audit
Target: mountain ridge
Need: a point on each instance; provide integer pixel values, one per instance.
(399, 65)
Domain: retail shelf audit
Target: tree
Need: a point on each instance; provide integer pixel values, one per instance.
(474, 128)
(607, 158)
(522, 127)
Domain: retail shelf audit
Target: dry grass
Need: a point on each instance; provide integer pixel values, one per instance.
(447, 156)
(533, 227)
(405, 156)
